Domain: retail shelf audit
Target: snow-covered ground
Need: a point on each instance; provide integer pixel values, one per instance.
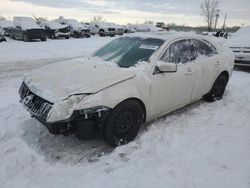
(203, 145)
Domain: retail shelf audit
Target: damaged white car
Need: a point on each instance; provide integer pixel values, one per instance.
(126, 83)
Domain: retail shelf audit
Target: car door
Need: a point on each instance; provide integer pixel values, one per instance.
(174, 89)
(208, 67)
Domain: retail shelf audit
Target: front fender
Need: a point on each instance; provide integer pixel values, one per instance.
(113, 95)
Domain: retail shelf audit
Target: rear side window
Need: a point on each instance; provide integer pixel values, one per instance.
(178, 52)
(203, 48)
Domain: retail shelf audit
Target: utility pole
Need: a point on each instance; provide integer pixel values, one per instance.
(224, 24)
(217, 17)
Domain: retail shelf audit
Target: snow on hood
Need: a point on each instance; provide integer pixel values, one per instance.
(60, 80)
(53, 25)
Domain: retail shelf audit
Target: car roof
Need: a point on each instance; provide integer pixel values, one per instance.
(169, 35)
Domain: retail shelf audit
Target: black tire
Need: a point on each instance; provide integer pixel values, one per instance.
(76, 35)
(123, 123)
(43, 38)
(53, 36)
(26, 38)
(67, 37)
(218, 89)
(12, 37)
(102, 33)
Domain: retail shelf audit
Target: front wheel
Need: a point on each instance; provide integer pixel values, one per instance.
(102, 33)
(43, 38)
(218, 89)
(26, 38)
(76, 35)
(123, 123)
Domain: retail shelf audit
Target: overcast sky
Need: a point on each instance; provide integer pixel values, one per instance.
(127, 11)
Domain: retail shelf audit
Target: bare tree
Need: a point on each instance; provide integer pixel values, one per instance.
(39, 20)
(208, 11)
(97, 19)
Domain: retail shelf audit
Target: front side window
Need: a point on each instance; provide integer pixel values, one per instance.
(128, 51)
(178, 52)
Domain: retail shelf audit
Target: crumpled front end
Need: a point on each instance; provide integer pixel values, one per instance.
(60, 117)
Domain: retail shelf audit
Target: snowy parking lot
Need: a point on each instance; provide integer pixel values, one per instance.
(203, 145)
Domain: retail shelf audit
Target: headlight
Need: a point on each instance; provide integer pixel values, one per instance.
(63, 110)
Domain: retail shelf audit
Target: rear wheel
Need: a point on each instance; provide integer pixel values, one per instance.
(123, 123)
(218, 89)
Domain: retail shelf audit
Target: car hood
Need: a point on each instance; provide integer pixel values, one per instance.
(60, 80)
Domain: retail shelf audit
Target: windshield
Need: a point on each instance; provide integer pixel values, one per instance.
(128, 51)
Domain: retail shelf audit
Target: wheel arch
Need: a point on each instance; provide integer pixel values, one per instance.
(141, 104)
(226, 73)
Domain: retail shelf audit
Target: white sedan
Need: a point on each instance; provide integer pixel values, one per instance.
(126, 83)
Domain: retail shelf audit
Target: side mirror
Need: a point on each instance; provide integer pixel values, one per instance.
(166, 67)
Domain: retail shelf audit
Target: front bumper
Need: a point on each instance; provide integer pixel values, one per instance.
(110, 32)
(84, 123)
(61, 34)
(84, 33)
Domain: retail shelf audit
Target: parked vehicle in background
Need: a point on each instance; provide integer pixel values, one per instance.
(102, 28)
(119, 30)
(127, 82)
(77, 29)
(240, 45)
(56, 30)
(25, 28)
(147, 28)
(2, 37)
(6, 26)
(129, 28)
(162, 25)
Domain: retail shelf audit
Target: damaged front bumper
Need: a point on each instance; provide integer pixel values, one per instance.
(84, 123)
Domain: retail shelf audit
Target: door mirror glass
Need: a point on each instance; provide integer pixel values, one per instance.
(166, 67)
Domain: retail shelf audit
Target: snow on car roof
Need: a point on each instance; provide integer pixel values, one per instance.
(26, 23)
(53, 25)
(5, 24)
(240, 38)
(74, 23)
(243, 31)
(169, 35)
